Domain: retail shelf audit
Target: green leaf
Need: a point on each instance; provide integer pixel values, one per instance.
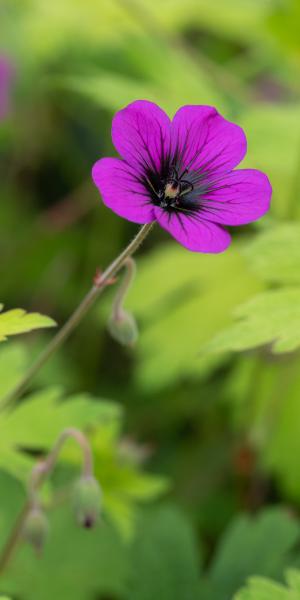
(124, 483)
(269, 318)
(13, 362)
(182, 300)
(274, 316)
(259, 588)
(36, 423)
(17, 321)
(166, 559)
(163, 561)
(75, 564)
(274, 254)
(252, 545)
(118, 469)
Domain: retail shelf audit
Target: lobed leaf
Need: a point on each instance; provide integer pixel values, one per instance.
(166, 560)
(189, 299)
(36, 423)
(259, 588)
(259, 544)
(269, 318)
(161, 563)
(18, 321)
(274, 254)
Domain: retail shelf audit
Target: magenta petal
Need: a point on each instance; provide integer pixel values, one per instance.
(193, 233)
(205, 140)
(238, 198)
(141, 135)
(121, 191)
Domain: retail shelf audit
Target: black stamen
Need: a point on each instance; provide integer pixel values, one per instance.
(169, 190)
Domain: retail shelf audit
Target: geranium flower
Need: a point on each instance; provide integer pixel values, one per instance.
(181, 173)
(6, 74)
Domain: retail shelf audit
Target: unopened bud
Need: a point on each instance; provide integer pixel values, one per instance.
(123, 328)
(87, 497)
(36, 528)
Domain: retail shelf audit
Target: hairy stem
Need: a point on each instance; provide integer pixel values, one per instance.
(44, 468)
(77, 315)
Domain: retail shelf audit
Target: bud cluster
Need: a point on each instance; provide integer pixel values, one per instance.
(86, 493)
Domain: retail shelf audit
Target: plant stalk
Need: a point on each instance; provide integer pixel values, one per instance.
(89, 300)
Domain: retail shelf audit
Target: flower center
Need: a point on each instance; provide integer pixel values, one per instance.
(172, 189)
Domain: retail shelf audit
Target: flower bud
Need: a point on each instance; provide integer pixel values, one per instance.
(123, 328)
(36, 528)
(87, 501)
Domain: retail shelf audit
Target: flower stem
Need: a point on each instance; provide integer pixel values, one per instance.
(44, 468)
(77, 315)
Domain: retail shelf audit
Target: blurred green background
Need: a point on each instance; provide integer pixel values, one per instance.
(192, 438)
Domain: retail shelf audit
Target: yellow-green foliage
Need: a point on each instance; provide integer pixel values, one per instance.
(13, 322)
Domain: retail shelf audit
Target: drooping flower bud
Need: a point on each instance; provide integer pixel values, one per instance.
(36, 528)
(122, 325)
(123, 328)
(87, 497)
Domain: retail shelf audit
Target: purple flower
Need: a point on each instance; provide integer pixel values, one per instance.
(181, 174)
(6, 74)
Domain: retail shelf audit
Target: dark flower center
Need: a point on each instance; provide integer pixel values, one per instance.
(171, 189)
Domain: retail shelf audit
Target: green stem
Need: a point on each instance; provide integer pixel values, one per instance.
(77, 316)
